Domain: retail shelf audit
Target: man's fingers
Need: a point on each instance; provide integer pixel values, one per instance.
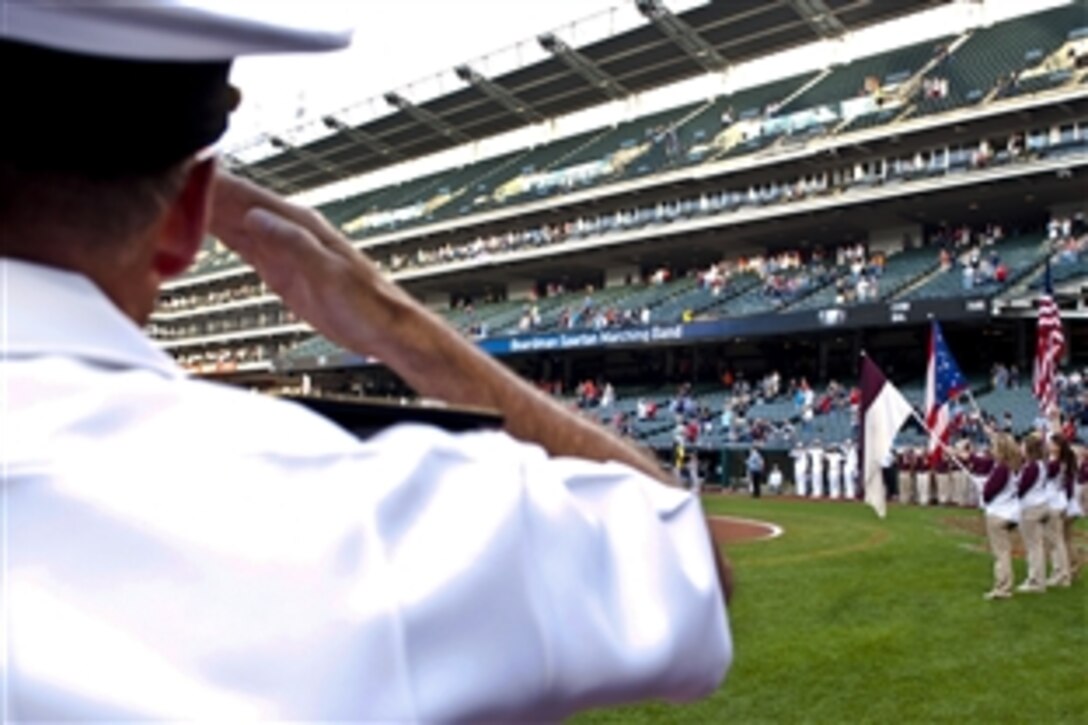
(234, 198)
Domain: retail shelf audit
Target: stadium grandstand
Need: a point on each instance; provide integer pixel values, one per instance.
(686, 225)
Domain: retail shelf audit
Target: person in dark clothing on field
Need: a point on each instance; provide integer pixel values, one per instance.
(755, 466)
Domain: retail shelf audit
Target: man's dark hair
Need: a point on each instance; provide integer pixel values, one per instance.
(40, 207)
(95, 148)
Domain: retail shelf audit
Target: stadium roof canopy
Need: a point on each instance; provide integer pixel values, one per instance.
(666, 48)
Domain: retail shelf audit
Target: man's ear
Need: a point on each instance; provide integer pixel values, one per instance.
(186, 222)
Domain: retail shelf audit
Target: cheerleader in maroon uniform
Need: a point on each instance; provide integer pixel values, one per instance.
(1061, 472)
(1002, 508)
(980, 463)
(1034, 512)
(1078, 502)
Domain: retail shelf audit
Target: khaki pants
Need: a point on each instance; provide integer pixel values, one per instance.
(906, 486)
(1054, 536)
(998, 532)
(1071, 550)
(944, 487)
(974, 490)
(960, 482)
(921, 483)
(1033, 521)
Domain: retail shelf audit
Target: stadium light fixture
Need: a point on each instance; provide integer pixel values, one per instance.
(425, 117)
(819, 17)
(682, 35)
(306, 155)
(237, 166)
(498, 94)
(369, 140)
(583, 66)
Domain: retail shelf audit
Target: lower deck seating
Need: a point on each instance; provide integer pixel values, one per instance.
(1020, 255)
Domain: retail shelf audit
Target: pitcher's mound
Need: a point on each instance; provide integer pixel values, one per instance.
(728, 529)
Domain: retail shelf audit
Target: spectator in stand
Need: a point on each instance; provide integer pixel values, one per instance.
(945, 259)
(727, 416)
(1002, 508)
(691, 431)
(608, 396)
(588, 394)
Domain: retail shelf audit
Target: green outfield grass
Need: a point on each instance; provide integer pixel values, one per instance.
(848, 619)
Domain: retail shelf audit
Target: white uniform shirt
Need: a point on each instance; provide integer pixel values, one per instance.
(1036, 495)
(1006, 504)
(816, 466)
(800, 462)
(180, 549)
(1055, 490)
(834, 464)
(850, 464)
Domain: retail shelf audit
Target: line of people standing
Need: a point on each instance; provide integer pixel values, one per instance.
(830, 471)
(1037, 487)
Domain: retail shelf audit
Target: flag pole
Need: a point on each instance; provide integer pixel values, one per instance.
(944, 447)
(978, 413)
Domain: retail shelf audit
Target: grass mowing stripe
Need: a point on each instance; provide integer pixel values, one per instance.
(846, 618)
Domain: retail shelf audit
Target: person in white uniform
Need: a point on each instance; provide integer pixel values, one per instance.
(834, 459)
(800, 470)
(774, 479)
(850, 470)
(816, 469)
(180, 550)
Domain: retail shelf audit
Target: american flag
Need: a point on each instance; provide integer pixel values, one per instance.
(1049, 346)
(944, 381)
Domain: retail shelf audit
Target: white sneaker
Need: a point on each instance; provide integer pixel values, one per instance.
(990, 596)
(1030, 588)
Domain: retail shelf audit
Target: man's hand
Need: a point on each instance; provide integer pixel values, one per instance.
(319, 275)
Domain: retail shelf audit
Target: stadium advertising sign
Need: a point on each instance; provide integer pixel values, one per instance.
(582, 339)
(856, 317)
(880, 314)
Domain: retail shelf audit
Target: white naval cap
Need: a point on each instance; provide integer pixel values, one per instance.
(121, 87)
(167, 30)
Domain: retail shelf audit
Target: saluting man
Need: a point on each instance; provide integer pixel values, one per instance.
(179, 550)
